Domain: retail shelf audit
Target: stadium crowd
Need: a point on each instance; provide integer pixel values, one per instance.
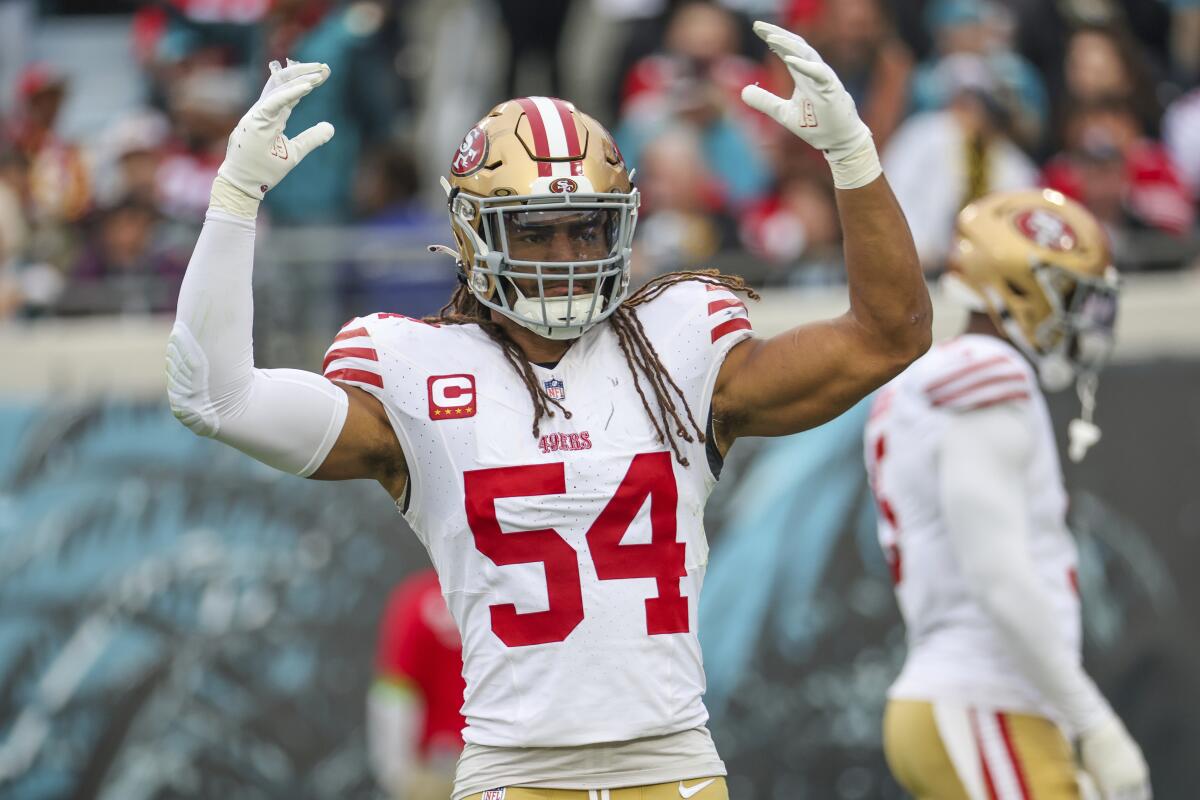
(1095, 98)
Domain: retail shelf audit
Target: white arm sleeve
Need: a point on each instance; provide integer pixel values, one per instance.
(286, 418)
(984, 463)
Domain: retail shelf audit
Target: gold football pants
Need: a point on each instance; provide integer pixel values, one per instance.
(696, 789)
(944, 751)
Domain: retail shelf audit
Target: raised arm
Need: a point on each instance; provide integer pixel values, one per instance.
(811, 373)
(292, 420)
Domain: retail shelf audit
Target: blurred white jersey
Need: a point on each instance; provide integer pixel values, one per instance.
(572, 562)
(955, 652)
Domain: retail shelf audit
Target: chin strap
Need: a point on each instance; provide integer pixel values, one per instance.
(1082, 433)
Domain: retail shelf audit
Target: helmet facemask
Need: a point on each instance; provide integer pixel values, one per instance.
(1076, 338)
(555, 263)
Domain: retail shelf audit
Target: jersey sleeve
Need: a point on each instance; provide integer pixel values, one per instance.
(978, 378)
(353, 357)
(693, 325)
(726, 318)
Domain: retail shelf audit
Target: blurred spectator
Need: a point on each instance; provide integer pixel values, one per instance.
(414, 727)
(1125, 178)
(795, 231)
(1104, 61)
(1181, 134)
(357, 99)
(680, 224)
(534, 29)
(205, 105)
(58, 180)
(1185, 41)
(125, 269)
(939, 161)
(130, 156)
(701, 41)
(857, 39)
(697, 82)
(984, 29)
(388, 201)
(14, 231)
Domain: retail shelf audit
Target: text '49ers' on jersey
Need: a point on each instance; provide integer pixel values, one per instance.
(572, 563)
(955, 651)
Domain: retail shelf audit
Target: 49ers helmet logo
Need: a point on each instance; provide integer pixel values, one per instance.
(1046, 229)
(471, 153)
(563, 186)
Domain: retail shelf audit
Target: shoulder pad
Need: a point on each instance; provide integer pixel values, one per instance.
(975, 372)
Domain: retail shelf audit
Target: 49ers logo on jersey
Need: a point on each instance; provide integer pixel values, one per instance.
(451, 396)
(471, 153)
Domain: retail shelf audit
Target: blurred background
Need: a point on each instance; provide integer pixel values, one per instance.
(177, 621)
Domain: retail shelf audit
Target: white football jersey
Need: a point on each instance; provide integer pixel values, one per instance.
(572, 562)
(955, 652)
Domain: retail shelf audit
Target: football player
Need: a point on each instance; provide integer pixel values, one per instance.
(972, 516)
(552, 436)
(414, 728)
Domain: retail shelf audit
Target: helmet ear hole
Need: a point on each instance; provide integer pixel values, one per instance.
(1016, 288)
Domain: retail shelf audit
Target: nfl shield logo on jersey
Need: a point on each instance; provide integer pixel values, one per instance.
(493, 794)
(555, 389)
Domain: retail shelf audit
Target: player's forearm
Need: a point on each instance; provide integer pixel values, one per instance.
(211, 351)
(888, 296)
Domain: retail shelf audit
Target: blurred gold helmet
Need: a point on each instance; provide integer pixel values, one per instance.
(532, 169)
(1038, 264)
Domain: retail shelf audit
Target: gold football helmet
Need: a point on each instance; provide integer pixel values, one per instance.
(543, 211)
(1038, 264)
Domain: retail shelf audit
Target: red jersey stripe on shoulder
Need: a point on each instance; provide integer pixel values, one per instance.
(721, 305)
(537, 126)
(356, 376)
(970, 388)
(367, 353)
(352, 333)
(962, 372)
(995, 401)
(729, 326)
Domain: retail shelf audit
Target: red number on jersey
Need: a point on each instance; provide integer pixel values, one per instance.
(650, 476)
(892, 550)
(483, 487)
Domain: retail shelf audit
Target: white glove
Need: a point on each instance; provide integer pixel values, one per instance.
(1114, 761)
(259, 155)
(820, 111)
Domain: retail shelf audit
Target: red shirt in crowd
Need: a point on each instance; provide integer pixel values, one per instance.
(419, 644)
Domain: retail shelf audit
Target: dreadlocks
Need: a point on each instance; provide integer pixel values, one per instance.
(644, 363)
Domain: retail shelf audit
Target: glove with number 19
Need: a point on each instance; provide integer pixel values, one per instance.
(820, 110)
(259, 155)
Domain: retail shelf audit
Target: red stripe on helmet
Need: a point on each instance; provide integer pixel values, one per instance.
(537, 126)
